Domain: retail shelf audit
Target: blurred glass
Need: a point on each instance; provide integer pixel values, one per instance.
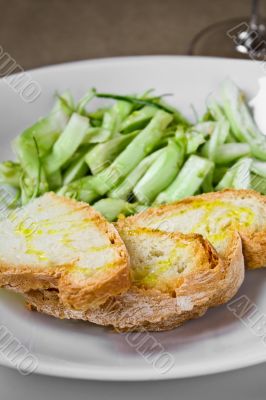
(238, 38)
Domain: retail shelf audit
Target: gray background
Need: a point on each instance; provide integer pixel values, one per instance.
(39, 32)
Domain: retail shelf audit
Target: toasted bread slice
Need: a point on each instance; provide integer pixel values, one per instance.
(175, 278)
(55, 242)
(215, 216)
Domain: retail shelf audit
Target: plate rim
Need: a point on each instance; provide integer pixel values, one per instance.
(117, 59)
(131, 374)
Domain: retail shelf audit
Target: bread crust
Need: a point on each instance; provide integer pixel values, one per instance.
(254, 242)
(140, 309)
(90, 291)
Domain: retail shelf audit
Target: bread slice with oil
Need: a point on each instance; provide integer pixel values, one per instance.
(175, 277)
(215, 216)
(58, 243)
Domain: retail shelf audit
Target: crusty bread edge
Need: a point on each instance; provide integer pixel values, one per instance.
(139, 310)
(254, 243)
(91, 292)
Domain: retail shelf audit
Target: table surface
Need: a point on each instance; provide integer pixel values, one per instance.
(45, 32)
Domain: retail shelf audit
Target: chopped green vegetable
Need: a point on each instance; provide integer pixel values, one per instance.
(218, 173)
(84, 101)
(96, 117)
(77, 169)
(65, 103)
(55, 180)
(141, 146)
(103, 154)
(136, 101)
(93, 135)
(123, 190)
(112, 208)
(34, 143)
(138, 119)
(258, 183)
(81, 189)
(46, 131)
(259, 168)
(160, 174)
(241, 121)
(194, 140)
(67, 143)
(207, 184)
(238, 176)
(242, 178)
(230, 152)
(33, 182)
(10, 173)
(197, 135)
(112, 121)
(215, 110)
(217, 138)
(188, 181)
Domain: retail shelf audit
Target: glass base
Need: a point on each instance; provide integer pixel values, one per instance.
(220, 40)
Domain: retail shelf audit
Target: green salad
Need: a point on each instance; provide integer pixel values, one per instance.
(136, 151)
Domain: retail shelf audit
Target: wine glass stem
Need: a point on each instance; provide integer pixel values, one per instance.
(254, 20)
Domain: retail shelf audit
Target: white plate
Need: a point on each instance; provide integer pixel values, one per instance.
(217, 342)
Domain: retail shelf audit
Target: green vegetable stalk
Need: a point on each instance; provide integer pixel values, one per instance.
(188, 181)
(160, 174)
(77, 169)
(10, 173)
(81, 189)
(68, 142)
(138, 119)
(241, 121)
(112, 208)
(124, 189)
(103, 154)
(230, 152)
(140, 147)
(238, 176)
(217, 138)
